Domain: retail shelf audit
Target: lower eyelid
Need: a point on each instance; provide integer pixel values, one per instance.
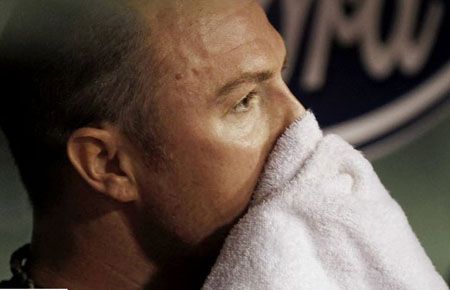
(250, 99)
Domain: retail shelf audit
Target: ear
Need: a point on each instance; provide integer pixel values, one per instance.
(101, 160)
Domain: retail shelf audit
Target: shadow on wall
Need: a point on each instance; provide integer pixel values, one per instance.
(15, 211)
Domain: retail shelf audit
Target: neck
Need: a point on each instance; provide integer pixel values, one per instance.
(99, 251)
(94, 255)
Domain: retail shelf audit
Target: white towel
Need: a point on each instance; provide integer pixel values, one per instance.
(321, 219)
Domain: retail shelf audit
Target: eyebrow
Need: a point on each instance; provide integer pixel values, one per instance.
(245, 78)
(251, 77)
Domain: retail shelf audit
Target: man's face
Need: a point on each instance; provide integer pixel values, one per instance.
(221, 103)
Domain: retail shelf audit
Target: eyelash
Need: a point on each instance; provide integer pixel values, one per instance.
(248, 99)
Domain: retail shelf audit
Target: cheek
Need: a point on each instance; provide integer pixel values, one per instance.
(223, 165)
(212, 169)
(218, 169)
(208, 185)
(234, 159)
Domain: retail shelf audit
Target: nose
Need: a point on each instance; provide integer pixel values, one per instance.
(292, 108)
(287, 109)
(295, 110)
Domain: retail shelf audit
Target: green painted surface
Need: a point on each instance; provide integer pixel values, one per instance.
(418, 177)
(15, 213)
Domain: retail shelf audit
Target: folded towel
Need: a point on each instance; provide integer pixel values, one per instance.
(321, 219)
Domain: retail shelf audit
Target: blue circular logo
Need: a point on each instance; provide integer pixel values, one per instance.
(369, 69)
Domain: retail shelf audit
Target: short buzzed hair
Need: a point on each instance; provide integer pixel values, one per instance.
(66, 64)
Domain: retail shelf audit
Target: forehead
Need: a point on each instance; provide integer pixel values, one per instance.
(233, 26)
(192, 36)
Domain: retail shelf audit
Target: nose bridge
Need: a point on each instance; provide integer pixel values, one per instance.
(292, 108)
(287, 110)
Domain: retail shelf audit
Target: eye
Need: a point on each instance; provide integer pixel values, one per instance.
(246, 103)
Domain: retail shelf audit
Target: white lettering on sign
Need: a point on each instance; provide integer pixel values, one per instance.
(402, 49)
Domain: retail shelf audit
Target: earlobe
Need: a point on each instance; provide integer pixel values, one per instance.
(96, 156)
(121, 189)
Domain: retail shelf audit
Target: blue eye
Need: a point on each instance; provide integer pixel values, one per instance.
(245, 104)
